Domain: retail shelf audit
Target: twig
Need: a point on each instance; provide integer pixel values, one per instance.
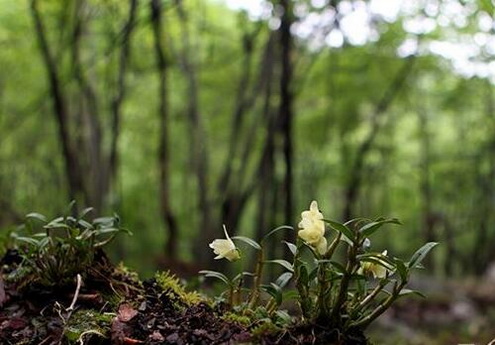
(76, 294)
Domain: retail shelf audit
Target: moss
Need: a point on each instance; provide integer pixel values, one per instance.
(240, 319)
(265, 327)
(88, 327)
(174, 289)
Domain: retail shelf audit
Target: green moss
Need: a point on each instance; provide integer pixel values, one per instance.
(88, 327)
(240, 319)
(174, 289)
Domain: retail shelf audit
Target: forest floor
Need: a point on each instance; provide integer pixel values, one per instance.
(110, 305)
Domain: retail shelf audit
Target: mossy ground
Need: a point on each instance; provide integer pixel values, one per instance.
(113, 306)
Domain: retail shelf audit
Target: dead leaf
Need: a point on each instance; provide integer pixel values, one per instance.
(126, 313)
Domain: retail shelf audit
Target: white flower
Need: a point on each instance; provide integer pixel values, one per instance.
(377, 270)
(225, 248)
(313, 228)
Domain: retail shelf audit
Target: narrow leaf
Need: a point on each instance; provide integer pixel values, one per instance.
(292, 247)
(215, 274)
(286, 264)
(372, 227)
(37, 216)
(420, 254)
(283, 227)
(341, 228)
(283, 279)
(248, 241)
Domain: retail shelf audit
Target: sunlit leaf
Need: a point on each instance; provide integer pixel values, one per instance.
(368, 229)
(420, 254)
(286, 264)
(248, 241)
(342, 228)
(283, 227)
(215, 274)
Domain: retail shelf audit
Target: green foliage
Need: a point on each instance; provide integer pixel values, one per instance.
(88, 327)
(345, 293)
(55, 251)
(175, 290)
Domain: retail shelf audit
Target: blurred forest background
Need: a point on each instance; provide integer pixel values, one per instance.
(183, 115)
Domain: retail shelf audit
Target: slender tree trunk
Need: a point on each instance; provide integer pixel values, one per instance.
(76, 188)
(355, 179)
(285, 111)
(116, 103)
(198, 149)
(89, 113)
(167, 214)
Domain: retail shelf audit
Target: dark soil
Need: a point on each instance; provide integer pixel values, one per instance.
(114, 307)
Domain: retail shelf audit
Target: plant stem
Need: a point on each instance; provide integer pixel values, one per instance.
(364, 322)
(370, 297)
(344, 284)
(257, 279)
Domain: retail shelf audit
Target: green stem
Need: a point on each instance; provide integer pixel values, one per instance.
(344, 285)
(370, 297)
(257, 279)
(380, 309)
(333, 246)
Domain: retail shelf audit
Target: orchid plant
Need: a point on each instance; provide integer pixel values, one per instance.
(339, 280)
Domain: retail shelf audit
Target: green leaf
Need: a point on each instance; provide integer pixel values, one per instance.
(85, 212)
(420, 254)
(302, 275)
(292, 247)
(84, 224)
(372, 227)
(402, 269)
(103, 220)
(340, 268)
(55, 225)
(275, 291)
(37, 216)
(215, 274)
(283, 227)
(286, 264)
(341, 228)
(291, 294)
(248, 241)
(283, 279)
(28, 240)
(408, 292)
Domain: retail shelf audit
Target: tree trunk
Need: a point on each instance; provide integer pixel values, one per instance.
(198, 149)
(354, 182)
(167, 214)
(116, 103)
(76, 188)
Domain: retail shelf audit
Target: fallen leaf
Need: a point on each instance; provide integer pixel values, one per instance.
(126, 313)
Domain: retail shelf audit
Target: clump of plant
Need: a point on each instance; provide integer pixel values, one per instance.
(341, 284)
(174, 290)
(55, 251)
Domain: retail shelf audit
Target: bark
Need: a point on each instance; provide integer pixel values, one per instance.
(285, 111)
(162, 66)
(89, 112)
(198, 149)
(116, 104)
(76, 188)
(354, 182)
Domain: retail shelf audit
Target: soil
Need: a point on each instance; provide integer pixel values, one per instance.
(113, 306)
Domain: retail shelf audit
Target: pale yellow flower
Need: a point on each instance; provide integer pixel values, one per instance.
(313, 228)
(377, 270)
(225, 248)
